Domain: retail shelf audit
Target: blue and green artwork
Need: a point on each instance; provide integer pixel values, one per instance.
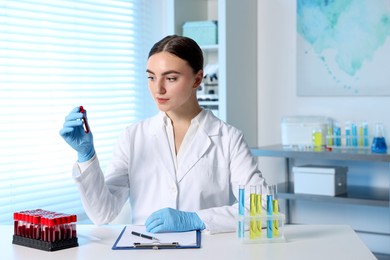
(343, 47)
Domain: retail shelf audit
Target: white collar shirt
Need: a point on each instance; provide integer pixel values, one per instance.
(187, 140)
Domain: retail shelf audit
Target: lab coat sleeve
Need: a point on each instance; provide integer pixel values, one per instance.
(103, 197)
(244, 171)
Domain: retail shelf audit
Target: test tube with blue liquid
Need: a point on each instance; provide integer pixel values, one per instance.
(275, 207)
(348, 134)
(241, 211)
(337, 134)
(269, 212)
(365, 133)
(354, 135)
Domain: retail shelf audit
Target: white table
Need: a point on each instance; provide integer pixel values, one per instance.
(303, 242)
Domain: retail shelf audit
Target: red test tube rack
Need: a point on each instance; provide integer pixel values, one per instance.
(45, 230)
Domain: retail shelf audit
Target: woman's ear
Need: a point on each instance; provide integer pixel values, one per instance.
(198, 78)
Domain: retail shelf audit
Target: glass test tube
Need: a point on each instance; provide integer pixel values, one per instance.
(252, 211)
(354, 134)
(241, 211)
(275, 207)
(347, 127)
(269, 212)
(329, 139)
(363, 134)
(337, 134)
(259, 207)
(317, 137)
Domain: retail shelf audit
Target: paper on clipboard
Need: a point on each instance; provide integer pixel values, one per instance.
(126, 240)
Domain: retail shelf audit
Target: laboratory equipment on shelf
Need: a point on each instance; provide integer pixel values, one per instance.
(379, 142)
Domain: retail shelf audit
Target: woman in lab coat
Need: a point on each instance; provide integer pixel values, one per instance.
(180, 169)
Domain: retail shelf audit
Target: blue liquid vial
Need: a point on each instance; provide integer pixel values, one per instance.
(348, 134)
(365, 134)
(269, 213)
(241, 200)
(241, 227)
(379, 145)
(337, 134)
(241, 212)
(354, 137)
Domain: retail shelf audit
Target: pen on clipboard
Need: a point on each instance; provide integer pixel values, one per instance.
(144, 236)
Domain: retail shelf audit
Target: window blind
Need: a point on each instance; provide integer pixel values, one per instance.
(54, 56)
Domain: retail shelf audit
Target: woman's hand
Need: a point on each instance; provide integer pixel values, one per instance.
(168, 220)
(74, 134)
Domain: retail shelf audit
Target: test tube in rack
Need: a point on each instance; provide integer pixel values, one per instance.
(252, 212)
(241, 211)
(259, 208)
(269, 212)
(275, 207)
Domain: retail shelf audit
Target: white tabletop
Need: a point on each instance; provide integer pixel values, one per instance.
(303, 242)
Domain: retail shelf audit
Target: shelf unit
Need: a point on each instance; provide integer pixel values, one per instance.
(370, 196)
(356, 196)
(235, 54)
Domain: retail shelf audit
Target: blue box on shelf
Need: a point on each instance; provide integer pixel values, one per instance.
(203, 32)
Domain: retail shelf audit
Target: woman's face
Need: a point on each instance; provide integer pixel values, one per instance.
(172, 82)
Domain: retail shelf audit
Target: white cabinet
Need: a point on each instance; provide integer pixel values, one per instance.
(235, 55)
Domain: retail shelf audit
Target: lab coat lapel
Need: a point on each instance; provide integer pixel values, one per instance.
(161, 149)
(200, 144)
(198, 148)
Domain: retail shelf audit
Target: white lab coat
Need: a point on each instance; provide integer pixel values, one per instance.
(142, 170)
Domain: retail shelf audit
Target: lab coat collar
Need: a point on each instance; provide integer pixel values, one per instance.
(209, 125)
(157, 123)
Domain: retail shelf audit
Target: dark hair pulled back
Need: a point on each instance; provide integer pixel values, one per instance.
(182, 47)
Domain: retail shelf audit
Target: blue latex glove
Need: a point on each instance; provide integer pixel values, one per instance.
(168, 220)
(74, 135)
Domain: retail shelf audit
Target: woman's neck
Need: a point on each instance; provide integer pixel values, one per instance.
(184, 116)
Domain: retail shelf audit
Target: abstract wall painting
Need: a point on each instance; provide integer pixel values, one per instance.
(343, 47)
